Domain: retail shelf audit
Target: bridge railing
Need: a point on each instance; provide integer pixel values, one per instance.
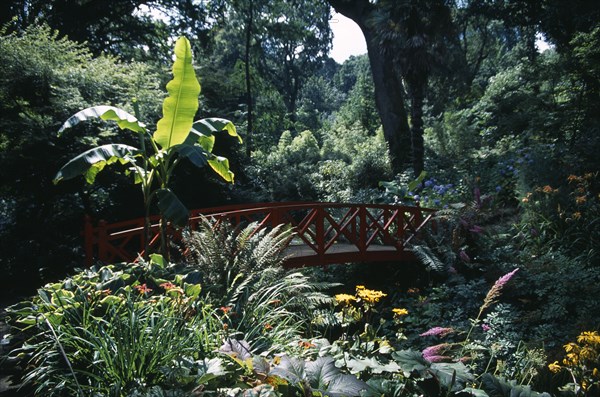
(324, 232)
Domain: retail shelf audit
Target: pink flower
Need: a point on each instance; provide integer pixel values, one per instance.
(485, 327)
(494, 292)
(435, 351)
(438, 331)
(437, 359)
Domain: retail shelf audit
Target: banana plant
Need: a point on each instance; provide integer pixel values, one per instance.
(176, 137)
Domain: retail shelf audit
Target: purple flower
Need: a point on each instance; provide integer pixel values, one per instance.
(438, 331)
(435, 354)
(463, 255)
(498, 188)
(476, 229)
(485, 327)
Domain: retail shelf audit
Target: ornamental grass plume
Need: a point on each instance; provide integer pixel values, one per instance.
(495, 291)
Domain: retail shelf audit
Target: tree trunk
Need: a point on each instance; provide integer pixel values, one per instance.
(389, 90)
(416, 129)
(248, 80)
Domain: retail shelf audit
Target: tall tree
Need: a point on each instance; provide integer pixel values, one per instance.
(416, 35)
(387, 78)
(295, 38)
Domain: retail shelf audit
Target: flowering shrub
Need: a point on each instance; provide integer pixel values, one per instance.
(582, 362)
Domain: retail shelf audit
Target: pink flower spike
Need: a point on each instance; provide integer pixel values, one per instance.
(504, 279)
(438, 331)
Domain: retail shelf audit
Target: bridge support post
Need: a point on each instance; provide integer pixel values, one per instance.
(89, 240)
(102, 241)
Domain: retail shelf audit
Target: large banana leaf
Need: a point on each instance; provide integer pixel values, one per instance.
(221, 166)
(123, 119)
(179, 108)
(171, 207)
(92, 161)
(195, 154)
(211, 125)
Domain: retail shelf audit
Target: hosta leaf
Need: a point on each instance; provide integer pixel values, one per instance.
(171, 207)
(291, 369)
(410, 361)
(454, 376)
(237, 349)
(124, 120)
(102, 155)
(356, 365)
(179, 108)
(211, 125)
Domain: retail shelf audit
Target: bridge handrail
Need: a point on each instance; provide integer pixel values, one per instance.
(354, 226)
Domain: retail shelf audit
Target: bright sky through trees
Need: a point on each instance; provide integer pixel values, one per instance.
(347, 38)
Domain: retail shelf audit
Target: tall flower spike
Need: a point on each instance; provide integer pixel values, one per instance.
(496, 289)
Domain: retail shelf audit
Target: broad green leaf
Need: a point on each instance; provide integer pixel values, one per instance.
(158, 259)
(207, 142)
(106, 154)
(211, 125)
(221, 166)
(410, 361)
(195, 154)
(291, 369)
(324, 376)
(238, 349)
(171, 207)
(179, 108)
(454, 376)
(124, 120)
(412, 186)
(192, 290)
(474, 392)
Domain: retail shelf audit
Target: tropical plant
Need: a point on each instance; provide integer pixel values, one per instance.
(176, 137)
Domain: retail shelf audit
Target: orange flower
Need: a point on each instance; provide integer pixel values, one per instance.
(547, 189)
(268, 327)
(168, 285)
(572, 178)
(143, 289)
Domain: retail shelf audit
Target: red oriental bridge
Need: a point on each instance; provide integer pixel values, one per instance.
(325, 233)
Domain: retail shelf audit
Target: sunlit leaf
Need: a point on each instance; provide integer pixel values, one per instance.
(124, 120)
(106, 154)
(179, 108)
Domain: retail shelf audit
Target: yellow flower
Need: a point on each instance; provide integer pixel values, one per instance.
(369, 295)
(554, 367)
(589, 337)
(360, 287)
(399, 312)
(580, 200)
(577, 215)
(344, 299)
